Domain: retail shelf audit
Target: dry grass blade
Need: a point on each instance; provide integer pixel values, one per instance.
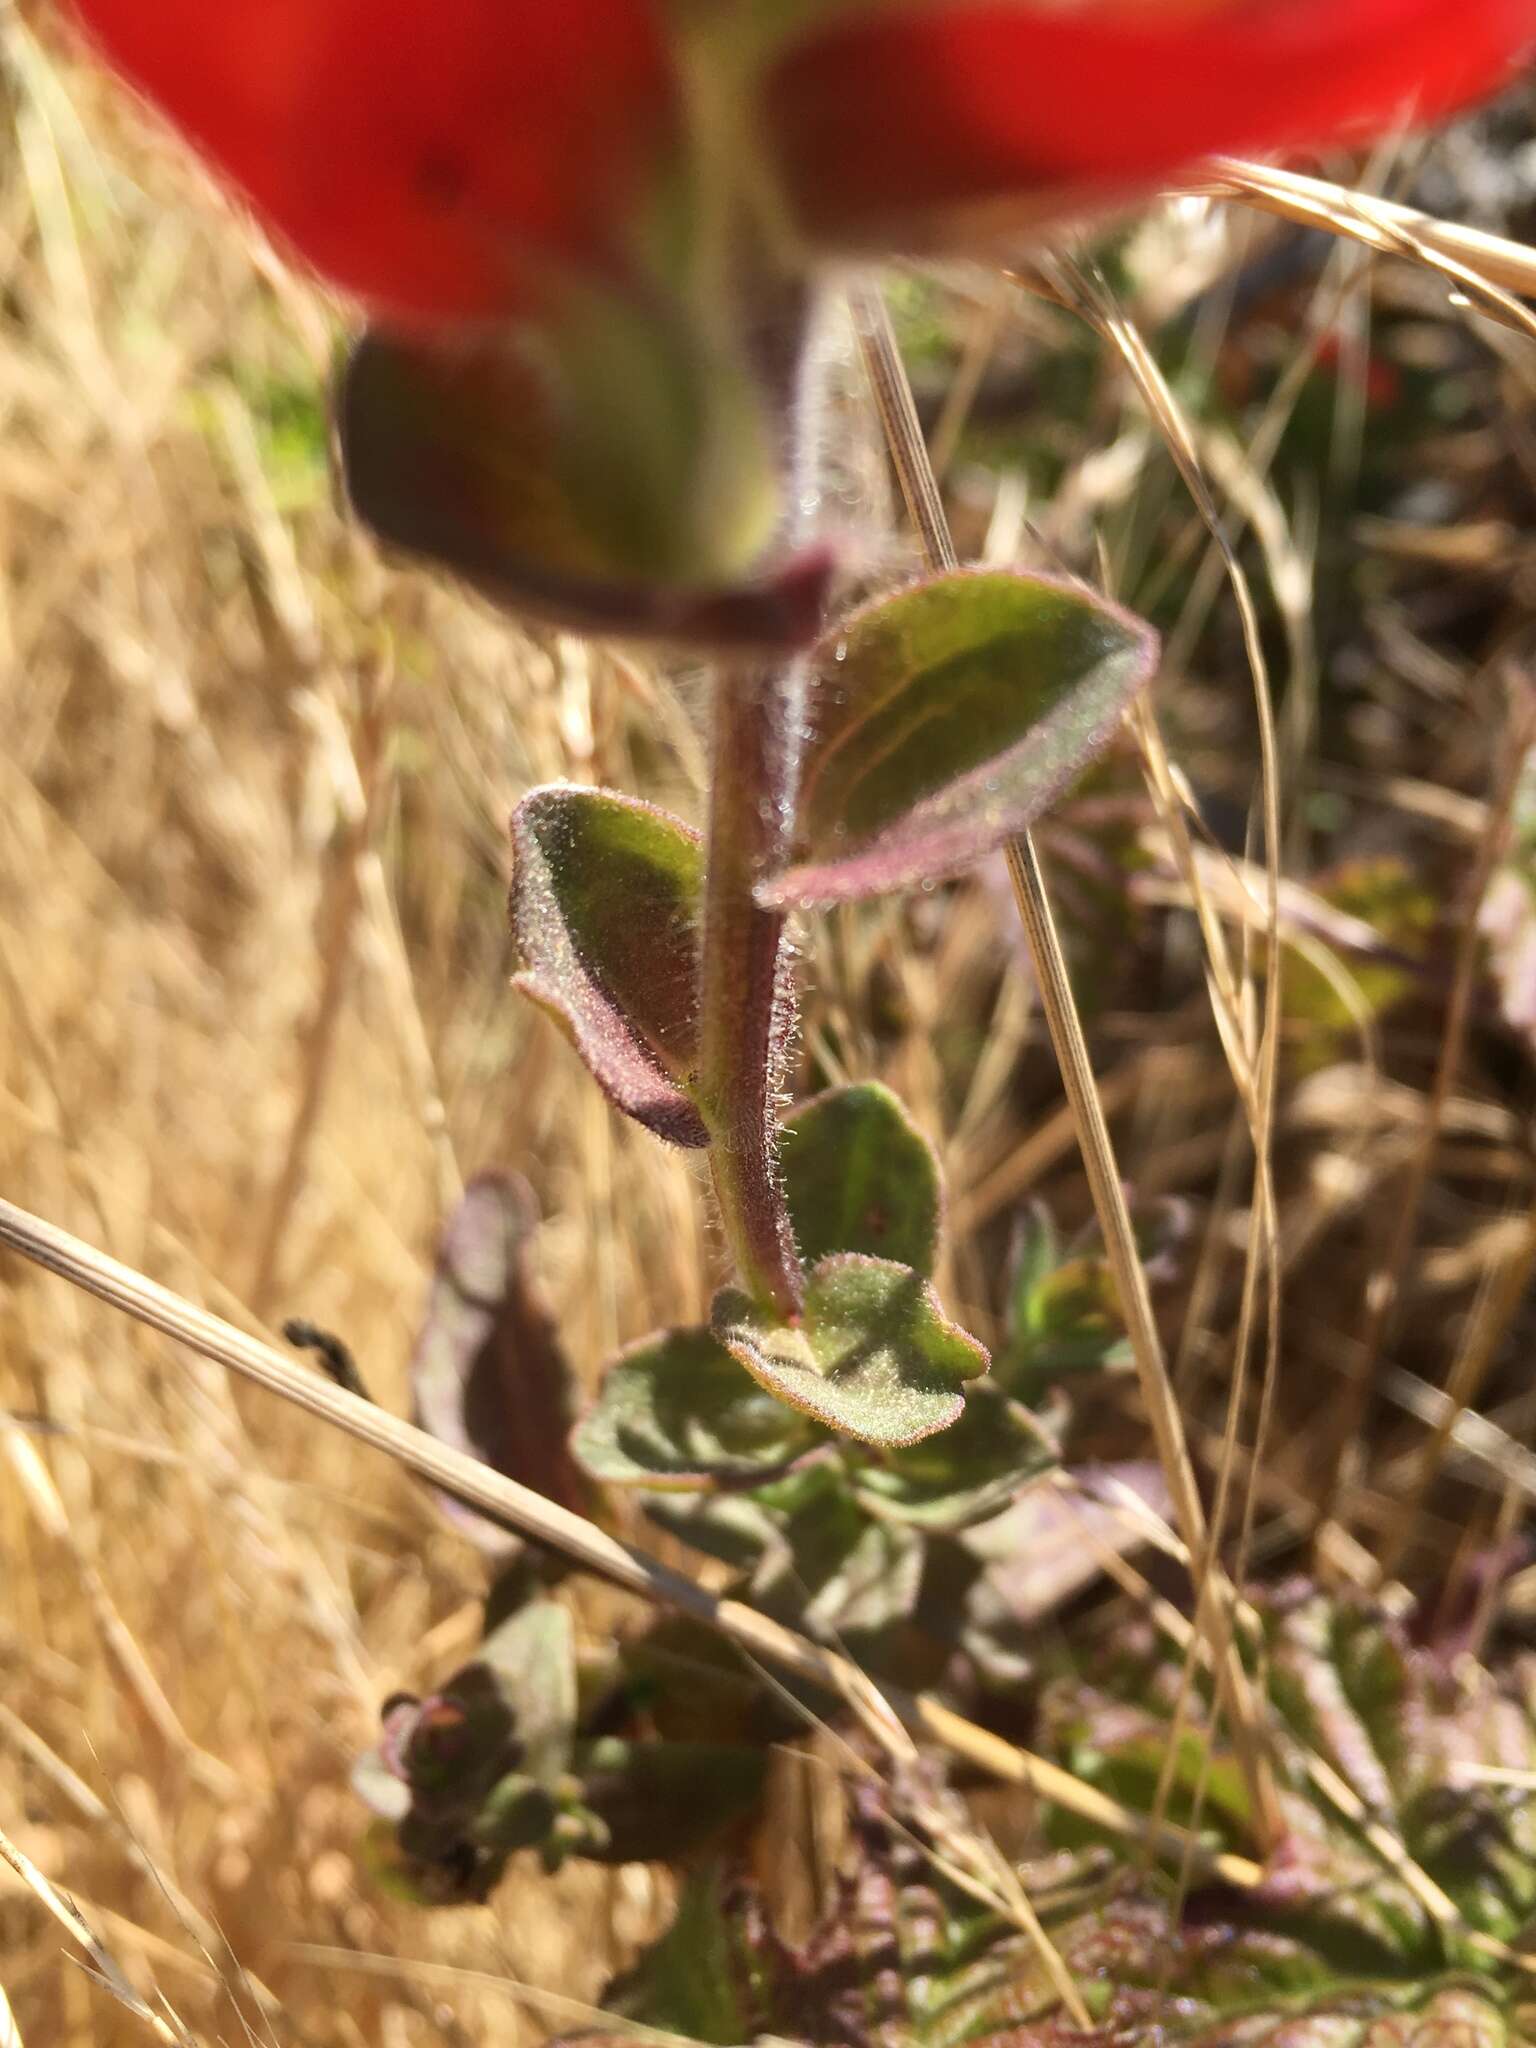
(427, 1972)
(1496, 1307)
(105, 1965)
(1384, 1295)
(99, 1815)
(478, 1486)
(1472, 1434)
(1255, 1068)
(1492, 267)
(898, 412)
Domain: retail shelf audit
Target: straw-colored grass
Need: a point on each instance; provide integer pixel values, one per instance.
(255, 1030)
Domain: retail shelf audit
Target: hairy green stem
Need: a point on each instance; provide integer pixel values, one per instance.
(748, 995)
(747, 987)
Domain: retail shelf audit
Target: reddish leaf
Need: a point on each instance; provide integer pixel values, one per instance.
(442, 159)
(605, 899)
(900, 109)
(489, 1375)
(465, 453)
(947, 717)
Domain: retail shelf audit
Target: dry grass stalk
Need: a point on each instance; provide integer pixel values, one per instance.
(165, 2027)
(543, 1521)
(898, 413)
(1385, 1288)
(1497, 271)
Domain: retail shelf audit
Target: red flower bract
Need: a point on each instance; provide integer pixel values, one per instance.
(910, 107)
(443, 159)
(439, 158)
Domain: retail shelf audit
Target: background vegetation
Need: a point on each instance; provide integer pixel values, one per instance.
(256, 1029)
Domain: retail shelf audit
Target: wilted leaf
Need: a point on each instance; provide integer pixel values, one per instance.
(861, 1177)
(873, 1355)
(489, 1375)
(966, 1472)
(605, 909)
(614, 479)
(661, 1800)
(678, 1410)
(947, 718)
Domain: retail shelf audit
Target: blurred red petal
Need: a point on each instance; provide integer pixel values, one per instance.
(913, 107)
(431, 156)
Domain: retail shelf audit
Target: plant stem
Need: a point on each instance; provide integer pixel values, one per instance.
(747, 996)
(747, 993)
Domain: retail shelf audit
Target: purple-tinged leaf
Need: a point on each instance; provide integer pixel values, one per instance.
(465, 452)
(873, 1355)
(945, 719)
(605, 911)
(676, 1410)
(860, 1176)
(489, 1375)
(1054, 1541)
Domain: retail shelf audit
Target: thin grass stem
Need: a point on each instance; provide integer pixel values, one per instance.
(544, 1521)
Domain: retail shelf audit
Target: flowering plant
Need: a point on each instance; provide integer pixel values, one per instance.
(589, 235)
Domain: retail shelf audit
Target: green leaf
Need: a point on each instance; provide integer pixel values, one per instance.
(1373, 921)
(964, 1474)
(659, 1801)
(860, 1177)
(838, 1572)
(1063, 1308)
(677, 1410)
(873, 1355)
(612, 475)
(695, 1982)
(605, 911)
(1331, 1949)
(518, 1814)
(489, 1375)
(531, 1663)
(947, 718)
